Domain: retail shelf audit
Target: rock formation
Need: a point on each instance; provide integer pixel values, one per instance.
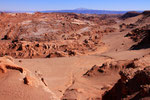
(48, 34)
(134, 82)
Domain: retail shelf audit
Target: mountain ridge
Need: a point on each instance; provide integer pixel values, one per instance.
(78, 10)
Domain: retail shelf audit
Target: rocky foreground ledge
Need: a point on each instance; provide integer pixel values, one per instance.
(19, 83)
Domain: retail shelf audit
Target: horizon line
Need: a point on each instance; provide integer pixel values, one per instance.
(66, 9)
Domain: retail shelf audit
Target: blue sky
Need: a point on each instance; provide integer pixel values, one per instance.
(38, 5)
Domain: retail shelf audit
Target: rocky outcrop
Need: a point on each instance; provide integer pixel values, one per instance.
(134, 85)
(25, 49)
(140, 35)
(134, 82)
(109, 67)
(6, 63)
(36, 80)
(124, 26)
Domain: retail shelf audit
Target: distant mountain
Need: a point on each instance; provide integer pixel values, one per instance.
(87, 11)
(78, 10)
(81, 9)
(18, 11)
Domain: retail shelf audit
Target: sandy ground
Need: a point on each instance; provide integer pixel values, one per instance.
(58, 72)
(63, 73)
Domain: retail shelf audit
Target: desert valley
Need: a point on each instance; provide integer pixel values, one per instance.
(70, 56)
